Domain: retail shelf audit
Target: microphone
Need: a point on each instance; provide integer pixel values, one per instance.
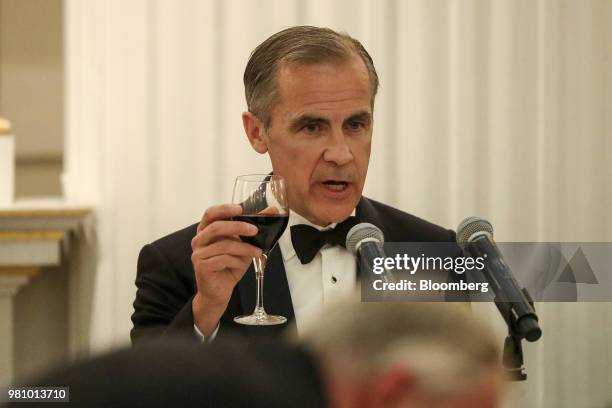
(475, 235)
(366, 241)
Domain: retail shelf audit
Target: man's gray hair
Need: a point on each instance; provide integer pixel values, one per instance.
(298, 45)
(441, 343)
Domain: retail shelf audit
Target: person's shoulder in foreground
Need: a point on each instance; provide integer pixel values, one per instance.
(177, 373)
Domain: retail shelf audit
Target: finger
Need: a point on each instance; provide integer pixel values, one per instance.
(229, 247)
(225, 262)
(269, 211)
(222, 230)
(218, 212)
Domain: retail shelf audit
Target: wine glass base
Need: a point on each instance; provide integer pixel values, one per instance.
(260, 320)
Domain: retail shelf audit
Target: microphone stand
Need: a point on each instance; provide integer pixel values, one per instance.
(513, 348)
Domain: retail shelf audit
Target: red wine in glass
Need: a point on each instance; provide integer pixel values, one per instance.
(270, 228)
(263, 198)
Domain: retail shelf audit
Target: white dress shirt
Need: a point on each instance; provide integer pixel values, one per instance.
(328, 278)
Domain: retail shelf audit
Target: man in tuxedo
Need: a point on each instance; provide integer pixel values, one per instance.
(310, 94)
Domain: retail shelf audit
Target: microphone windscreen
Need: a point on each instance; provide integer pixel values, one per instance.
(361, 231)
(471, 226)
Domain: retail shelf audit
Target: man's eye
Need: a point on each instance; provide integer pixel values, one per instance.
(312, 128)
(355, 125)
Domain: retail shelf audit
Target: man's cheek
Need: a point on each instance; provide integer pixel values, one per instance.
(297, 155)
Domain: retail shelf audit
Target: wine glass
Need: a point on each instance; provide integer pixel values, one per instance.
(263, 199)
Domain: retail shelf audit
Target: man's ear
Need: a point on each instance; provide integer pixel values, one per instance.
(255, 131)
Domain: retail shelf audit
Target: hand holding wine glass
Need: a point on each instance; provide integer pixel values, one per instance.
(226, 242)
(219, 260)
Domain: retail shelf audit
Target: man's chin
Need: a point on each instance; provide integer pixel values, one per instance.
(334, 214)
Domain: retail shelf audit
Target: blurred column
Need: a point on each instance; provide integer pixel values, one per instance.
(11, 280)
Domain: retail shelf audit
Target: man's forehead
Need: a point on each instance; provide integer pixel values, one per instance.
(318, 88)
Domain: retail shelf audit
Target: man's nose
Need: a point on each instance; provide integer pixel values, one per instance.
(337, 150)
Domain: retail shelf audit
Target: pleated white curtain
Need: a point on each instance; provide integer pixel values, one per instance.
(494, 108)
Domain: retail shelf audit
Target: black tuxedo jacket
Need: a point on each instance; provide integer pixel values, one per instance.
(166, 281)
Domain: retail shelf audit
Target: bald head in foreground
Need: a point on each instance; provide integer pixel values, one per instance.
(379, 355)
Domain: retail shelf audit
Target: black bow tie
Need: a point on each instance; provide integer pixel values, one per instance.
(307, 240)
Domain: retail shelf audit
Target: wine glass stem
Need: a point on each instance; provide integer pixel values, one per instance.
(259, 265)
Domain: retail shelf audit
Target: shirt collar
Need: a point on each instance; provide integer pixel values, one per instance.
(286, 246)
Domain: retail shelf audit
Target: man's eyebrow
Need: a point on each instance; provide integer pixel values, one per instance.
(303, 120)
(363, 116)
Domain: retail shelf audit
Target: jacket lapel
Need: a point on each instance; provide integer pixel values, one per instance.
(277, 298)
(366, 212)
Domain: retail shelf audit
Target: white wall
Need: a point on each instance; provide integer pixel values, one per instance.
(496, 108)
(32, 91)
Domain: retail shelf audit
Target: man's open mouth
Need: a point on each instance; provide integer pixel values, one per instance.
(335, 185)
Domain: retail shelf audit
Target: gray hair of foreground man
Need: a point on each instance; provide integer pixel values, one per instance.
(297, 45)
(443, 345)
